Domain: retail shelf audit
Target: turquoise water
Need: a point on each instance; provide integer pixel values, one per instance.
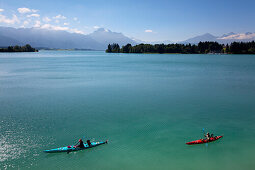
(147, 105)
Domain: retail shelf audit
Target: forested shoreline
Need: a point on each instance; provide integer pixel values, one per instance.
(206, 47)
(16, 48)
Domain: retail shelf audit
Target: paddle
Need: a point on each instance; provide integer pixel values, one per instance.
(78, 141)
(75, 144)
(206, 145)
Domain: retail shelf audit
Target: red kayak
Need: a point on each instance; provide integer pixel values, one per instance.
(200, 141)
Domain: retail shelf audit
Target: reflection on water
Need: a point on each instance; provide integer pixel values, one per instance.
(17, 145)
(11, 149)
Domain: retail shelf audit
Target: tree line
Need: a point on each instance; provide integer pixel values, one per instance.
(200, 48)
(16, 48)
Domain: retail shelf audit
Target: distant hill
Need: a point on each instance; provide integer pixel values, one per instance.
(197, 39)
(224, 39)
(238, 37)
(37, 37)
(105, 36)
(4, 41)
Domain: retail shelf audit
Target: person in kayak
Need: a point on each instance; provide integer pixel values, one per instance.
(208, 136)
(89, 143)
(81, 145)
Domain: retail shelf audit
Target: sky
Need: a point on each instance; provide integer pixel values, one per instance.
(147, 20)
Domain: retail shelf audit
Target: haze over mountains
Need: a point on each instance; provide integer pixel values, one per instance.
(98, 40)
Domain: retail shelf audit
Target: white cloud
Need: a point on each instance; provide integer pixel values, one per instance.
(1, 10)
(239, 36)
(148, 31)
(33, 15)
(75, 18)
(66, 23)
(59, 17)
(46, 19)
(13, 20)
(26, 10)
(37, 24)
(96, 27)
(57, 21)
(46, 26)
(25, 22)
(59, 28)
(34, 10)
(52, 27)
(23, 10)
(76, 31)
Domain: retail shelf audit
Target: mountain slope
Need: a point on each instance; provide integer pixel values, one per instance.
(48, 38)
(230, 37)
(197, 39)
(106, 37)
(37, 37)
(224, 39)
(8, 41)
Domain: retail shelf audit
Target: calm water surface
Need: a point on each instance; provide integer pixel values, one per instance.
(147, 105)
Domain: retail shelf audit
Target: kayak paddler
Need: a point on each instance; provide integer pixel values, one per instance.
(89, 143)
(208, 136)
(81, 145)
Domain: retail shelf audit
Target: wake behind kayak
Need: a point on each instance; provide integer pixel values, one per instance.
(201, 141)
(73, 148)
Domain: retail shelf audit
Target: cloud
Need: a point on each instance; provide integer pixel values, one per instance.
(52, 27)
(76, 31)
(46, 26)
(1, 10)
(26, 10)
(59, 28)
(33, 15)
(66, 23)
(46, 19)
(96, 27)
(25, 22)
(75, 18)
(37, 24)
(148, 31)
(13, 20)
(59, 17)
(241, 36)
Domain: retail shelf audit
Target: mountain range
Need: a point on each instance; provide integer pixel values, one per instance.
(45, 38)
(224, 39)
(98, 40)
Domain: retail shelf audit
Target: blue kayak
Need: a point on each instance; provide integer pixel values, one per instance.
(73, 148)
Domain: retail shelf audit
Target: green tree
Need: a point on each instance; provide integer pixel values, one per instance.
(227, 49)
(109, 49)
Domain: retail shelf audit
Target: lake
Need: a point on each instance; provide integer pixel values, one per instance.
(147, 105)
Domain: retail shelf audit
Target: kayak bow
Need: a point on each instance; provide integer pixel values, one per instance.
(73, 148)
(200, 141)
